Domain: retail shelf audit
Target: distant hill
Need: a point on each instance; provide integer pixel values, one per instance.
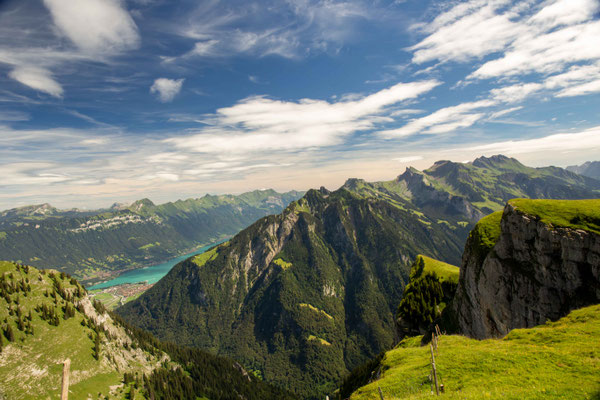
(96, 245)
(305, 296)
(47, 317)
(590, 169)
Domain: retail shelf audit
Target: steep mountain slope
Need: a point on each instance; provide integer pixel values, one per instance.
(97, 245)
(46, 317)
(301, 296)
(536, 260)
(590, 169)
(557, 360)
(305, 296)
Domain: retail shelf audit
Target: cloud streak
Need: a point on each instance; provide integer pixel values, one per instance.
(259, 124)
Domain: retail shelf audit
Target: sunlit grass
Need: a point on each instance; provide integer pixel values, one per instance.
(559, 360)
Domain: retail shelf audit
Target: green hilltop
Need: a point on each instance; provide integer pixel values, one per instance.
(558, 360)
(424, 265)
(574, 214)
(39, 312)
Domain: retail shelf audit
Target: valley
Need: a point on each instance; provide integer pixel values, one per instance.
(96, 246)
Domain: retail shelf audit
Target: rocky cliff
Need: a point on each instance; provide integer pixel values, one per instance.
(535, 261)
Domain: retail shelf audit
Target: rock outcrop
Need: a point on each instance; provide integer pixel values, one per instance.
(534, 272)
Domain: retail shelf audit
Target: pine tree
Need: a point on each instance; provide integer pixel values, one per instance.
(10, 336)
(97, 346)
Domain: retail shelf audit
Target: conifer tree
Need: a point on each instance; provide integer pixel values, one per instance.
(10, 336)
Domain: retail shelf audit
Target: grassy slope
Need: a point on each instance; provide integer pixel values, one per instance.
(444, 271)
(576, 214)
(487, 231)
(559, 360)
(31, 366)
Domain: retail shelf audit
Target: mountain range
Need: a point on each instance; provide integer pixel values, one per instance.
(96, 245)
(590, 169)
(303, 297)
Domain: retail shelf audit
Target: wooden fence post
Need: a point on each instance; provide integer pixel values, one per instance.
(65, 380)
(437, 389)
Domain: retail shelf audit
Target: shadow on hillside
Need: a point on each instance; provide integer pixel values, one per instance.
(596, 396)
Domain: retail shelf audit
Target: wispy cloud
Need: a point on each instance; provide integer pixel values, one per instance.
(287, 29)
(560, 142)
(443, 120)
(95, 29)
(516, 39)
(261, 124)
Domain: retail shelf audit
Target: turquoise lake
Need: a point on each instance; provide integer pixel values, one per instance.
(151, 274)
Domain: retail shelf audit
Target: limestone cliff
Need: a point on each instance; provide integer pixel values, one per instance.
(540, 263)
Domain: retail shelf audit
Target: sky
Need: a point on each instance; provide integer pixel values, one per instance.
(105, 101)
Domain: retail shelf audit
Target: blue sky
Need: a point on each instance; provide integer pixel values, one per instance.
(107, 100)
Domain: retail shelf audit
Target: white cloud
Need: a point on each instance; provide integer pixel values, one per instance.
(166, 88)
(98, 29)
(580, 90)
(545, 52)
(441, 121)
(564, 12)
(577, 81)
(515, 93)
(518, 38)
(262, 124)
(586, 140)
(468, 30)
(38, 79)
(95, 26)
(501, 113)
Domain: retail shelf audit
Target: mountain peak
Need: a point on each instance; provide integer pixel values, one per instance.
(494, 161)
(353, 183)
(139, 205)
(591, 169)
(409, 174)
(118, 206)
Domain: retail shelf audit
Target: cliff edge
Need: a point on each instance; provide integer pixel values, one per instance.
(534, 261)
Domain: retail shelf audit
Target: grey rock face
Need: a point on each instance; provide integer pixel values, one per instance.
(533, 273)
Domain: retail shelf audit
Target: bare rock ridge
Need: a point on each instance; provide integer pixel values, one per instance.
(535, 271)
